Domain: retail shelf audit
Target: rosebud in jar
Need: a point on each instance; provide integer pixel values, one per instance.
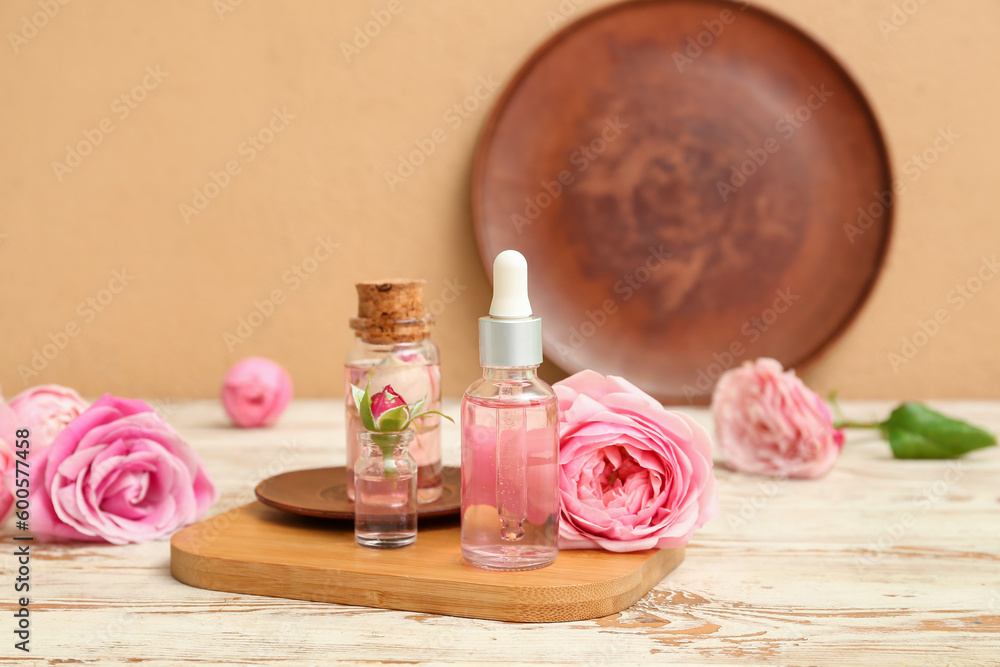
(389, 410)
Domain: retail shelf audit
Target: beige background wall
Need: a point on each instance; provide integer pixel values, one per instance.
(188, 283)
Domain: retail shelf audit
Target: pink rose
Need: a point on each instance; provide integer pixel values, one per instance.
(118, 473)
(45, 411)
(8, 426)
(632, 475)
(768, 423)
(256, 392)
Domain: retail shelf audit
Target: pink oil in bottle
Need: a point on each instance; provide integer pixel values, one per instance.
(510, 504)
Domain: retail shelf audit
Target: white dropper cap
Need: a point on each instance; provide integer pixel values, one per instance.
(510, 336)
(510, 286)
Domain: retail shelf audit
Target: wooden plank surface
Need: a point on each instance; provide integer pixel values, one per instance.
(881, 562)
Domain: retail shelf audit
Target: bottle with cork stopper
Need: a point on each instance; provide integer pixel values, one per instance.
(393, 347)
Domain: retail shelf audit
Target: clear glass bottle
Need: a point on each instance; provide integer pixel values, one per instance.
(385, 507)
(510, 442)
(393, 347)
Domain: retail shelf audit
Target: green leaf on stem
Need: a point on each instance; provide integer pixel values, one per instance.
(359, 395)
(364, 402)
(415, 407)
(917, 432)
(394, 419)
(424, 414)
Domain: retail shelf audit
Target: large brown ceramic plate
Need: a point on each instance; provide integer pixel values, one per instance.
(322, 492)
(693, 184)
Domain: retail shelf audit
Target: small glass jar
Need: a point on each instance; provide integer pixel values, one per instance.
(385, 506)
(393, 347)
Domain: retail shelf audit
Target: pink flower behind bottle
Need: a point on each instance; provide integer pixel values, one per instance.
(632, 475)
(256, 392)
(118, 473)
(768, 422)
(45, 411)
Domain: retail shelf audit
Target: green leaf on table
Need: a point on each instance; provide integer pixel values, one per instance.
(917, 432)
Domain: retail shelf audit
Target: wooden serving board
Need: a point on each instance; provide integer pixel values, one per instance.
(262, 551)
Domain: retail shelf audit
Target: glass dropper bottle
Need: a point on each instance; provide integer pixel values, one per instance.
(510, 443)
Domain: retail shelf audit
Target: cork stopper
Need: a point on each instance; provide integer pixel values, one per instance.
(391, 311)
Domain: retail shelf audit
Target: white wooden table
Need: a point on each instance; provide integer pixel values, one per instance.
(804, 572)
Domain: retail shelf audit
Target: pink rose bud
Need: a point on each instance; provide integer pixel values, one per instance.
(118, 473)
(382, 405)
(256, 392)
(768, 422)
(632, 475)
(45, 411)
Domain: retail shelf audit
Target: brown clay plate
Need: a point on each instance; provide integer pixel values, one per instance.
(693, 185)
(322, 492)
